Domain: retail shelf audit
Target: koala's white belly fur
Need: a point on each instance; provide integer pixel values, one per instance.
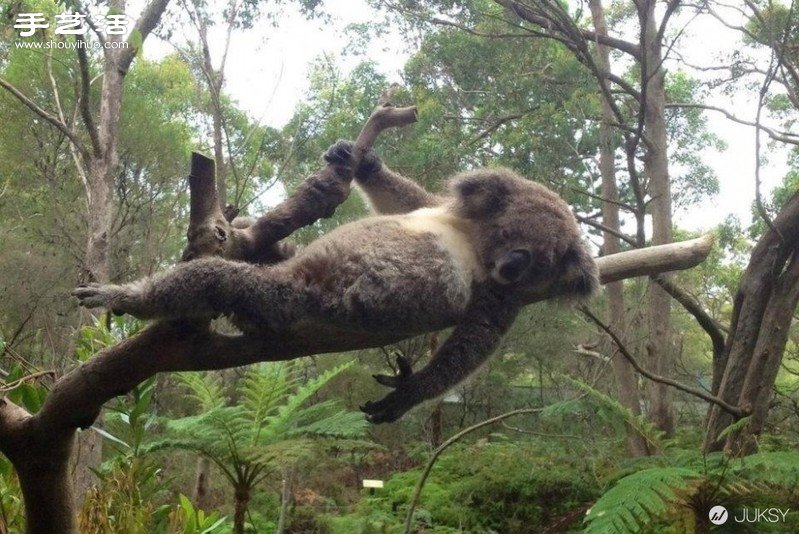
(453, 235)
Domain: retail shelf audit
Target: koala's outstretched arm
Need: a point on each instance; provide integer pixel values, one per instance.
(202, 288)
(387, 191)
(487, 319)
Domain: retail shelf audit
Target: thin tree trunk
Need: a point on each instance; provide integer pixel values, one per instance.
(285, 502)
(201, 485)
(102, 168)
(657, 170)
(626, 380)
(242, 497)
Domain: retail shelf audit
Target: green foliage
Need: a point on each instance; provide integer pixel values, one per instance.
(274, 426)
(130, 484)
(678, 489)
(637, 499)
(271, 421)
(27, 393)
(104, 332)
(484, 487)
(607, 409)
(12, 511)
(194, 521)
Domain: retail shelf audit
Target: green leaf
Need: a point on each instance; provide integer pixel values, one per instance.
(639, 498)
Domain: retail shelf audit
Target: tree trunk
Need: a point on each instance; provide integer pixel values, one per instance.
(285, 502)
(657, 170)
(626, 380)
(219, 154)
(242, 496)
(201, 485)
(102, 170)
(761, 316)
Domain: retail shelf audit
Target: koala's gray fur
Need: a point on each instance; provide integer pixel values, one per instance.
(469, 259)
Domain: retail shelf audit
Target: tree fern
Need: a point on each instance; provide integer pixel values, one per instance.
(204, 388)
(264, 388)
(290, 412)
(637, 499)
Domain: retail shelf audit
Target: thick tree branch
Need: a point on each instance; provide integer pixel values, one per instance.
(175, 346)
(525, 12)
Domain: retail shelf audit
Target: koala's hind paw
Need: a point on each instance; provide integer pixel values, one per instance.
(98, 296)
(339, 153)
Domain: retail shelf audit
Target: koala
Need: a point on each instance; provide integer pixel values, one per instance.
(423, 262)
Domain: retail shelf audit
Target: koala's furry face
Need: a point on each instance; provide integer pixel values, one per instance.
(528, 237)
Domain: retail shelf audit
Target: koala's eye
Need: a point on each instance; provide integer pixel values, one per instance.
(513, 265)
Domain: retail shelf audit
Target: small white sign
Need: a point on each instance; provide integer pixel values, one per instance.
(372, 483)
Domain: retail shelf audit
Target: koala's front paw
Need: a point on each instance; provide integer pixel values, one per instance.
(404, 372)
(100, 296)
(389, 408)
(404, 397)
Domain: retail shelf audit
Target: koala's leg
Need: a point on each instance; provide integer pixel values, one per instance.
(477, 336)
(387, 191)
(201, 288)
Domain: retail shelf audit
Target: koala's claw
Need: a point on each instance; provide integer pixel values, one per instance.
(387, 410)
(405, 396)
(95, 295)
(396, 381)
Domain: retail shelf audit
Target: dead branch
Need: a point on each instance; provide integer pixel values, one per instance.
(654, 260)
(785, 137)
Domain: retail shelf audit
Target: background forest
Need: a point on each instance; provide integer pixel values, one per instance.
(661, 398)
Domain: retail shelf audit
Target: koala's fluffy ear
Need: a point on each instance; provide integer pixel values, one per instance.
(479, 193)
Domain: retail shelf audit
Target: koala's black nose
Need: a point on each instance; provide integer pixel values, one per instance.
(514, 263)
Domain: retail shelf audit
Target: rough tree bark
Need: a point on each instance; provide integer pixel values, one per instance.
(763, 310)
(656, 166)
(626, 379)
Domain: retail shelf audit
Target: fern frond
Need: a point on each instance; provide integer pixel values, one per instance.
(637, 499)
(776, 469)
(608, 409)
(286, 413)
(205, 388)
(342, 424)
(736, 427)
(263, 388)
